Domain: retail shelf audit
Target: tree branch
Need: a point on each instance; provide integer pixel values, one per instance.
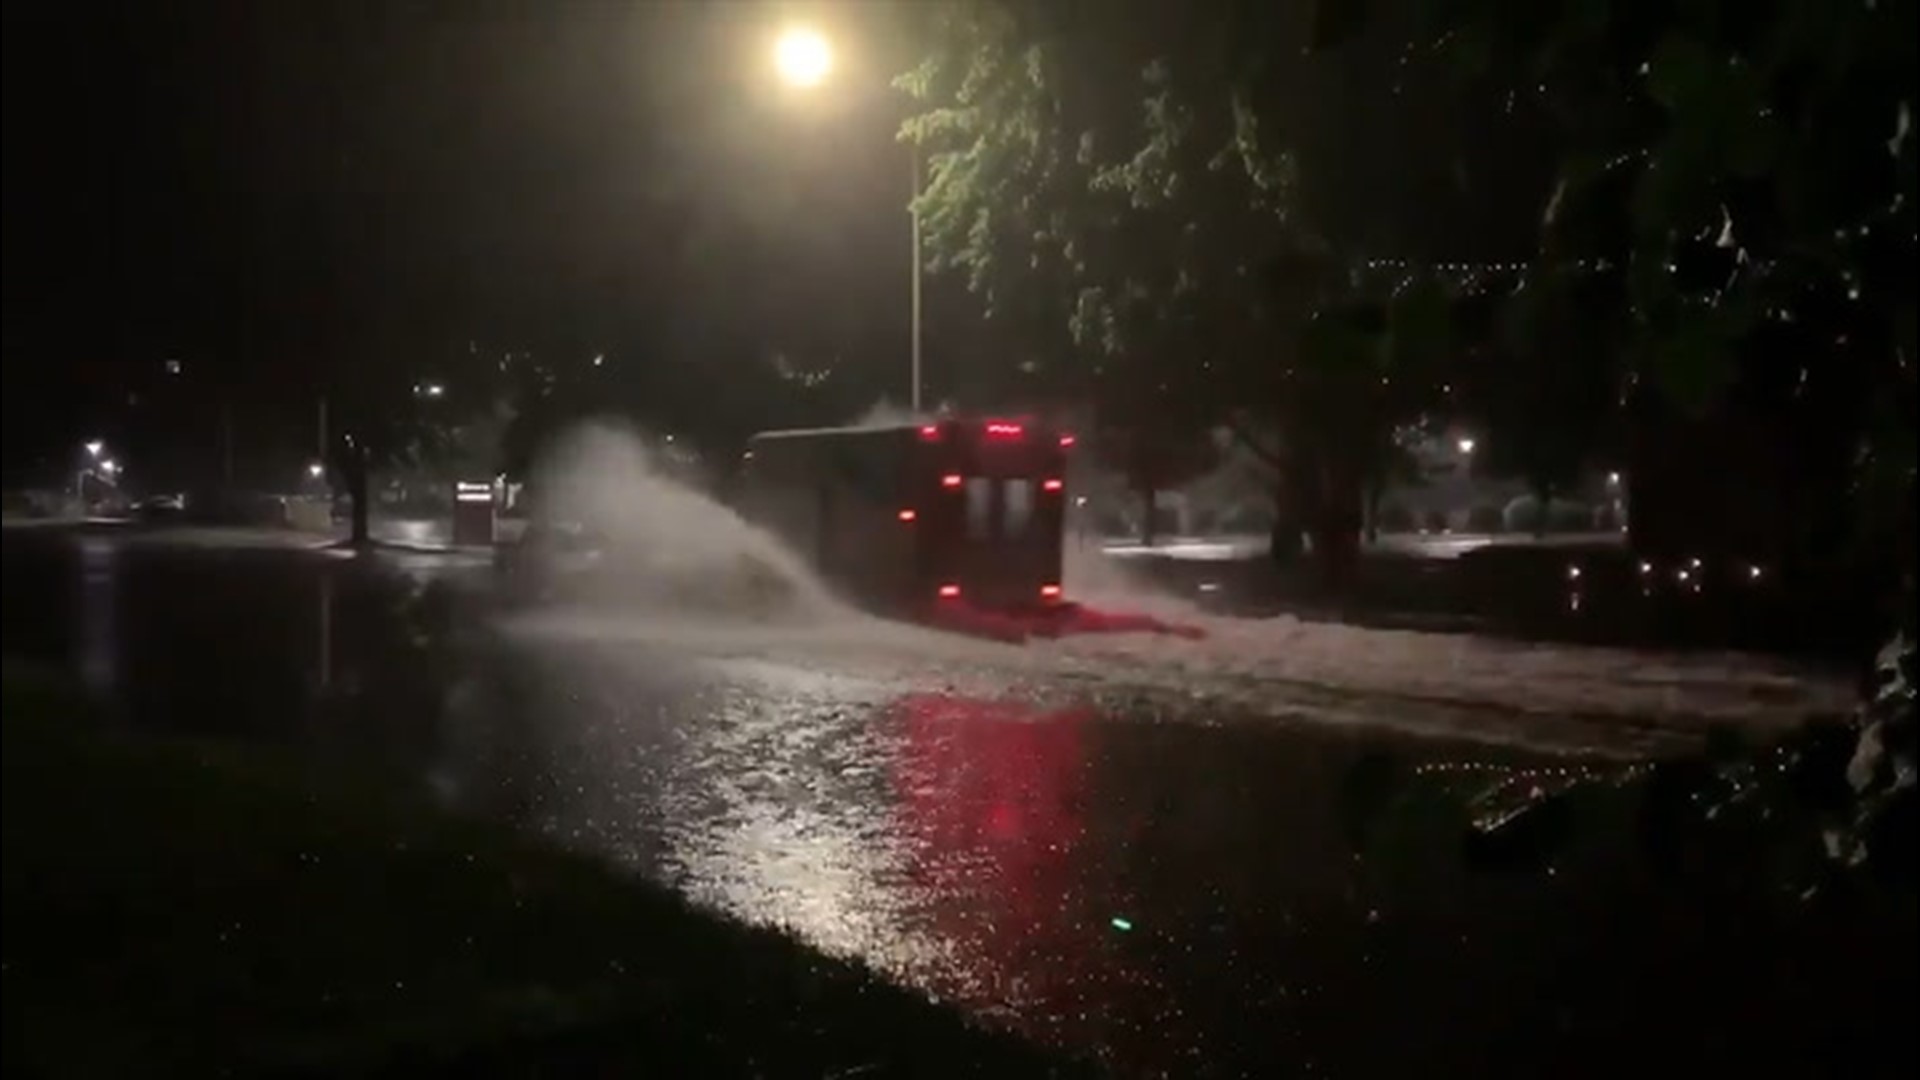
(1245, 436)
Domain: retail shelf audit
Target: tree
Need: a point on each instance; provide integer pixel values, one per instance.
(1747, 171)
(385, 413)
(1188, 194)
(1548, 386)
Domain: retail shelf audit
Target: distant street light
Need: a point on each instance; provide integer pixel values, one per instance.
(1613, 479)
(803, 58)
(109, 467)
(1466, 445)
(429, 390)
(316, 470)
(94, 446)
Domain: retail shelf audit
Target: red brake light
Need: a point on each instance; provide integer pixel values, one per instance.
(949, 592)
(1001, 429)
(1066, 441)
(951, 480)
(1049, 592)
(1052, 483)
(908, 515)
(930, 432)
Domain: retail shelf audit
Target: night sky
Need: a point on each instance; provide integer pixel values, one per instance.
(259, 188)
(250, 187)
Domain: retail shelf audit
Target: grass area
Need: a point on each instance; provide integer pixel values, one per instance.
(191, 909)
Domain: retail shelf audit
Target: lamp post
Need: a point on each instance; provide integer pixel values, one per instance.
(94, 448)
(804, 59)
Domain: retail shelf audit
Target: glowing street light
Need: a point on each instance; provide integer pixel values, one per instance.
(803, 57)
(316, 470)
(1466, 445)
(94, 446)
(109, 467)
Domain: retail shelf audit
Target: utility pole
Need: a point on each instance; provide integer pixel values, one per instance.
(226, 443)
(913, 211)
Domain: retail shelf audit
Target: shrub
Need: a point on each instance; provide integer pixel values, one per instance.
(1486, 518)
(1393, 517)
(1563, 515)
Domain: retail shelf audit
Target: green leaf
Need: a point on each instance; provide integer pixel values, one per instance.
(1679, 71)
(1692, 365)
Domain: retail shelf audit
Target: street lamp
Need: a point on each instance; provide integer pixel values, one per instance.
(803, 58)
(316, 470)
(1466, 445)
(94, 446)
(109, 467)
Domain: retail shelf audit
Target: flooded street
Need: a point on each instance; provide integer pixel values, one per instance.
(1171, 893)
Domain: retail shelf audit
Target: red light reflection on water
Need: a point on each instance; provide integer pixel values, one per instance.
(992, 797)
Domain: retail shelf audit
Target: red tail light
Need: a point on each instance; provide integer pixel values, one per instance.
(1052, 483)
(1049, 592)
(949, 592)
(1066, 441)
(930, 432)
(909, 515)
(1002, 429)
(951, 480)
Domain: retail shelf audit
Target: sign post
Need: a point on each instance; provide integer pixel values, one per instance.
(472, 513)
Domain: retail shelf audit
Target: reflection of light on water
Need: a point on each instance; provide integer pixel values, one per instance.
(777, 839)
(99, 629)
(808, 872)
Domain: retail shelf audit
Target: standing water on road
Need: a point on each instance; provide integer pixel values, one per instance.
(675, 567)
(1169, 885)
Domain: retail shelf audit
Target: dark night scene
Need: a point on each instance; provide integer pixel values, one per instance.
(851, 539)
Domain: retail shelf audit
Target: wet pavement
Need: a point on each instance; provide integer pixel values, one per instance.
(1167, 893)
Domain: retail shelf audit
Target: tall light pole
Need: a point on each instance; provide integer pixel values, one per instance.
(913, 214)
(803, 58)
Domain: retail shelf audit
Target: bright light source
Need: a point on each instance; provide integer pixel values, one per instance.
(1466, 445)
(1066, 441)
(1049, 592)
(930, 432)
(1001, 429)
(429, 390)
(951, 480)
(1121, 924)
(1052, 483)
(173, 367)
(1753, 573)
(94, 446)
(316, 470)
(1573, 573)
(1613, 479)
(908, 515)
(599, 358)
(1646, 568)
(949, 592)
(109, 466)
(1080, 500)
(802, 57)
